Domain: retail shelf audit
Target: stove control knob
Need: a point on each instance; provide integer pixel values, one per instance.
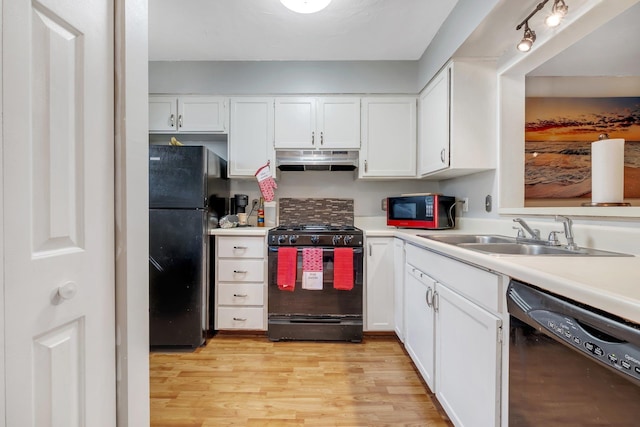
(347, 239)
(282, 238)
(315, 239)
(293, 239)
(336, 239)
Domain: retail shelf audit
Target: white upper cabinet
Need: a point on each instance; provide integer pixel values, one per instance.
(188, 113)
(388, 138)
(457, 125)
(250, 135)
(317, 123)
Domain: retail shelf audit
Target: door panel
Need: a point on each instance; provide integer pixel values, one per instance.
(58, 133)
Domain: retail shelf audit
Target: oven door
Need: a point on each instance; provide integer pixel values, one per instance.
(326, 303)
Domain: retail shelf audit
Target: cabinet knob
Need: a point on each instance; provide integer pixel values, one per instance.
(313, 138)
(442, 153)
(435, 301)
(240, 271)
(321, 138)
(172, 120)
(239, 247)
(180, 121)
(240, 295)
(240, 319)
(366, 166)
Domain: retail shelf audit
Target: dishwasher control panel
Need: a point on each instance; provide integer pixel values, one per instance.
(621, 355)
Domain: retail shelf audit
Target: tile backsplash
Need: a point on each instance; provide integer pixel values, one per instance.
(295, 211)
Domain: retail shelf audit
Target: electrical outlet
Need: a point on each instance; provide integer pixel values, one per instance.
(465, 204)
(254, 202)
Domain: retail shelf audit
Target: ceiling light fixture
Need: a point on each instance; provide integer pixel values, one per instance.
(558, 12)
(306, 6)
(528, 38)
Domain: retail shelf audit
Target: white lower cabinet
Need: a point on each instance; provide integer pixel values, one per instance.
(379, 290)
(420, 317)
(454, 334)
(468, 360)
(240, 285)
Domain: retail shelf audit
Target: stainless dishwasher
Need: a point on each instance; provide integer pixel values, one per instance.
(570, 364)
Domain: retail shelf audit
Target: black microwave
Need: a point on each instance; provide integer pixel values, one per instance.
(429, 211)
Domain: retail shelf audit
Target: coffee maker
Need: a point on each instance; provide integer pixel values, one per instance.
(239, 203)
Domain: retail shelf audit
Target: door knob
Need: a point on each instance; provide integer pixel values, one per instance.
(68, 290)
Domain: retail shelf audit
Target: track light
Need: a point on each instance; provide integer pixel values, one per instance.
(558, 11)
(528, 39)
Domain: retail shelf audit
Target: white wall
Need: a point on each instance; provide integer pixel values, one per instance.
(476, 187)
(367, 195)
(283, 77)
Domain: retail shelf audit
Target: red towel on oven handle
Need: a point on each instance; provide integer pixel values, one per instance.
(343, 269)
(287, 260)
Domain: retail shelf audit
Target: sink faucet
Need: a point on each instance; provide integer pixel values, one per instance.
(568, 231)
(535, 233)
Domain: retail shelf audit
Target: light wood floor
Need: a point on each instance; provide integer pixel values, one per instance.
(250, 381)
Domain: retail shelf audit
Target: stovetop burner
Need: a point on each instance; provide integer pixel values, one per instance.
(314, 227)
(315, 235)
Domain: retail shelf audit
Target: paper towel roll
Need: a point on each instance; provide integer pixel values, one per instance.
(607, 171)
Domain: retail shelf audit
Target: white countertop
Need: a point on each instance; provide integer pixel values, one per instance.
(611, 284)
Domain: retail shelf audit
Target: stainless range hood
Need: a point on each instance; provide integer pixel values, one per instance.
(316, 160)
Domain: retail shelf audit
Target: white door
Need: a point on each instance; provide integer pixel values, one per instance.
(163, 114)
(339, 122)
(379, 284)
(250, 135)
(467, 360)
(202, 114)
(295, 123)
(434, 125)
(58, 186)
(388, 138)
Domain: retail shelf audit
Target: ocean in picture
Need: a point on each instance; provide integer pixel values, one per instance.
(559, 169)
(558, 137)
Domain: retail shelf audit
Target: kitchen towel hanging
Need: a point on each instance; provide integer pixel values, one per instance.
(312, 274)
(607, 171)
(287, 260)
(343, 269)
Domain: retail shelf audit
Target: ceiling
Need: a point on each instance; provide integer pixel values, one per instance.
(259, 30)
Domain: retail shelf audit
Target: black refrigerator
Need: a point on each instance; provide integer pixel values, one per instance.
(187, 184)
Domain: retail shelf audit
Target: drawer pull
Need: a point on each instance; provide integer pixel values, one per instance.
(240, 271)
(240, 295)
(240, 319)
(239, 247)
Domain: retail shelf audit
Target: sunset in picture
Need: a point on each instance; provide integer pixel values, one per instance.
(558, 137)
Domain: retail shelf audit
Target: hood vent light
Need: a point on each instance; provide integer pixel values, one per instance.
(316, 160)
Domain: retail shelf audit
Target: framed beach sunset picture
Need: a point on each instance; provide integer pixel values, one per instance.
(558, 137)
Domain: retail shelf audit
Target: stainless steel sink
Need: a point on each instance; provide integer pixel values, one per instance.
(457, 239)
(503, 245)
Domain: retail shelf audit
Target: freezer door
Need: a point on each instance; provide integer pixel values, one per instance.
(177, 176)
(178, 277)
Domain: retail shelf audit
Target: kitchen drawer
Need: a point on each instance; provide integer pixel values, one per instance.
(240, 270)
(240, 318)
(240, 247)
(240, 294)
(474, 283)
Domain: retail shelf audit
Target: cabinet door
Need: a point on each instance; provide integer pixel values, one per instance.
(201, 114)
(398, 287)
(434, 125)
(420, 322)
(379, 284)
(163, 114)
(250, 135)
(468, 360)
(339, 122)
(388, 138)
(295, 123)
